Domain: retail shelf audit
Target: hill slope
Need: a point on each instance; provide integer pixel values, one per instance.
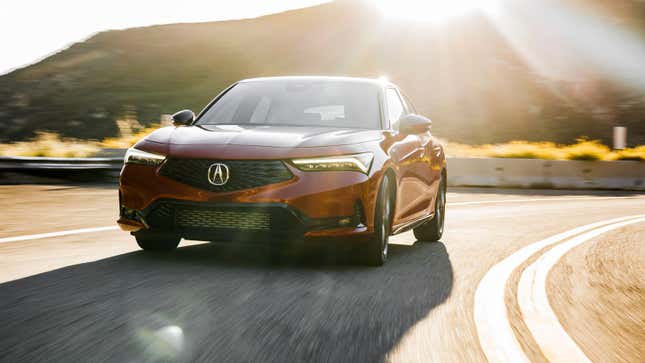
(464, 75)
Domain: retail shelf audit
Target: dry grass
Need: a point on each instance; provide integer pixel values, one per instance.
(51, 145)
(583, 149)
(637, 153)
(587, 150)
(513, 149)
(127, 140)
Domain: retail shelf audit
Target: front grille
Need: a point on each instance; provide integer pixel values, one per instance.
(213, 219)
(205, 221)
(243, 174)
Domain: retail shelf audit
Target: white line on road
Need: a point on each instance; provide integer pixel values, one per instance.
(555, 343)
(99, 229)
(493, 327)
(57, 234)
(568, 199)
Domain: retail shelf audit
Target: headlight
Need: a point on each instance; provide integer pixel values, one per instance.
(135, 156)
(355, 162)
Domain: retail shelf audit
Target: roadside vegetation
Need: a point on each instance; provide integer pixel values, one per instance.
(128, 140)
(52, 145)
(583, 149)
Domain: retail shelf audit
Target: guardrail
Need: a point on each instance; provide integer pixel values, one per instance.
(19, 163)
(28, 170)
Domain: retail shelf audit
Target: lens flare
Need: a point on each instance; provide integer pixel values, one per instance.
(572, 43)
(432, 11)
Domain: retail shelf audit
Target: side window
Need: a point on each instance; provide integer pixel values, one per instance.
(395, 107)
(408, 103)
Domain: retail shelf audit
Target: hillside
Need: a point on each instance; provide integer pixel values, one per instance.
(464, 75)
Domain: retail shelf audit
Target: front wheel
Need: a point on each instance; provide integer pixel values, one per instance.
(433, 230)
(377, 248)
(155, 242)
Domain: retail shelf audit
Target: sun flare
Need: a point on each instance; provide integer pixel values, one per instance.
(433, 11)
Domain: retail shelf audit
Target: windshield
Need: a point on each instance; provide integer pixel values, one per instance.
(297, 103)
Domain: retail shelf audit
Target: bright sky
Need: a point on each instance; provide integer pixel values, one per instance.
(33, 29)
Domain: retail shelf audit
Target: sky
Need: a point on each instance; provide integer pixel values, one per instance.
(33, 29)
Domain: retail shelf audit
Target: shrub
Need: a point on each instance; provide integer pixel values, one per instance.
(128, 140)
(587, 150)
(637, 153)
(583, 149)
(51, 145)
(526, 150)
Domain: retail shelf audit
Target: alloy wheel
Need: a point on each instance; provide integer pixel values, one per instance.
(386, 209)
(440, 207)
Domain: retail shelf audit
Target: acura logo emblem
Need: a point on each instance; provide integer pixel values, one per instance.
(218, 174)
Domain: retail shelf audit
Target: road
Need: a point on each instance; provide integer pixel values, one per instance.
(91, 295)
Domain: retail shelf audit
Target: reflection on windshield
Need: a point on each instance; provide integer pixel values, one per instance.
(297, 103)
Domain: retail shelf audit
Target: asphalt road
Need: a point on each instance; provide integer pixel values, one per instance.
(93, 296)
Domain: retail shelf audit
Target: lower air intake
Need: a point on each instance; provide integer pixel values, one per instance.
(213, 219)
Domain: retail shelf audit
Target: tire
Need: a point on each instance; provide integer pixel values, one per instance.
(157, 242)
(376, 250)
(433, 229)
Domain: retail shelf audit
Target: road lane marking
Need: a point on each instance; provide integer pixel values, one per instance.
(538, 200)
(537, 313)
(57, 234)
(108, 228)
(496, 336)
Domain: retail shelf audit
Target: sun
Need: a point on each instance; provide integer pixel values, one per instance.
(433, 11)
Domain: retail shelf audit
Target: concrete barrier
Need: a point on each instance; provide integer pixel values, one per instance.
(536, 173)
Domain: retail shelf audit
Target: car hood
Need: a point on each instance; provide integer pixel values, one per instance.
(263, 136)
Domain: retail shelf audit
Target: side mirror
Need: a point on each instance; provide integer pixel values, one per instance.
(183, 117)
(414, 124)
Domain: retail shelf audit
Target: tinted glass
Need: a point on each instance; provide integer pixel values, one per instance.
(297, 103)
(395, 108)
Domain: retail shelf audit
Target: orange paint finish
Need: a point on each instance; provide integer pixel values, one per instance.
(315, 194)
(319, 200)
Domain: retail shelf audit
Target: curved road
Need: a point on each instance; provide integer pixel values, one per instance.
(91, 295)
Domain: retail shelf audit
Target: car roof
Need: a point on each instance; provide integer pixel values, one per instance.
(374, 81)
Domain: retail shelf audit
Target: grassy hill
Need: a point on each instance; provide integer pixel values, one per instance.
(464, 75)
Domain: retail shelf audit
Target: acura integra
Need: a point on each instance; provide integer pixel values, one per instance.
(289, 159)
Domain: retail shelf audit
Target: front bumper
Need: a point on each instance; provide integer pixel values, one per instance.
(235, 221)
(311, 205)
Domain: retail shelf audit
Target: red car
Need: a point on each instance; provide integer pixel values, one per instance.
(287, 159)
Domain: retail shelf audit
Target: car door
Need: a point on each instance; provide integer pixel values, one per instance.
(410, 153)
(432, 163)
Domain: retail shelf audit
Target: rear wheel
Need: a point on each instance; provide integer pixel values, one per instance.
(433, 230)
(377, 248)
(157, 242)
